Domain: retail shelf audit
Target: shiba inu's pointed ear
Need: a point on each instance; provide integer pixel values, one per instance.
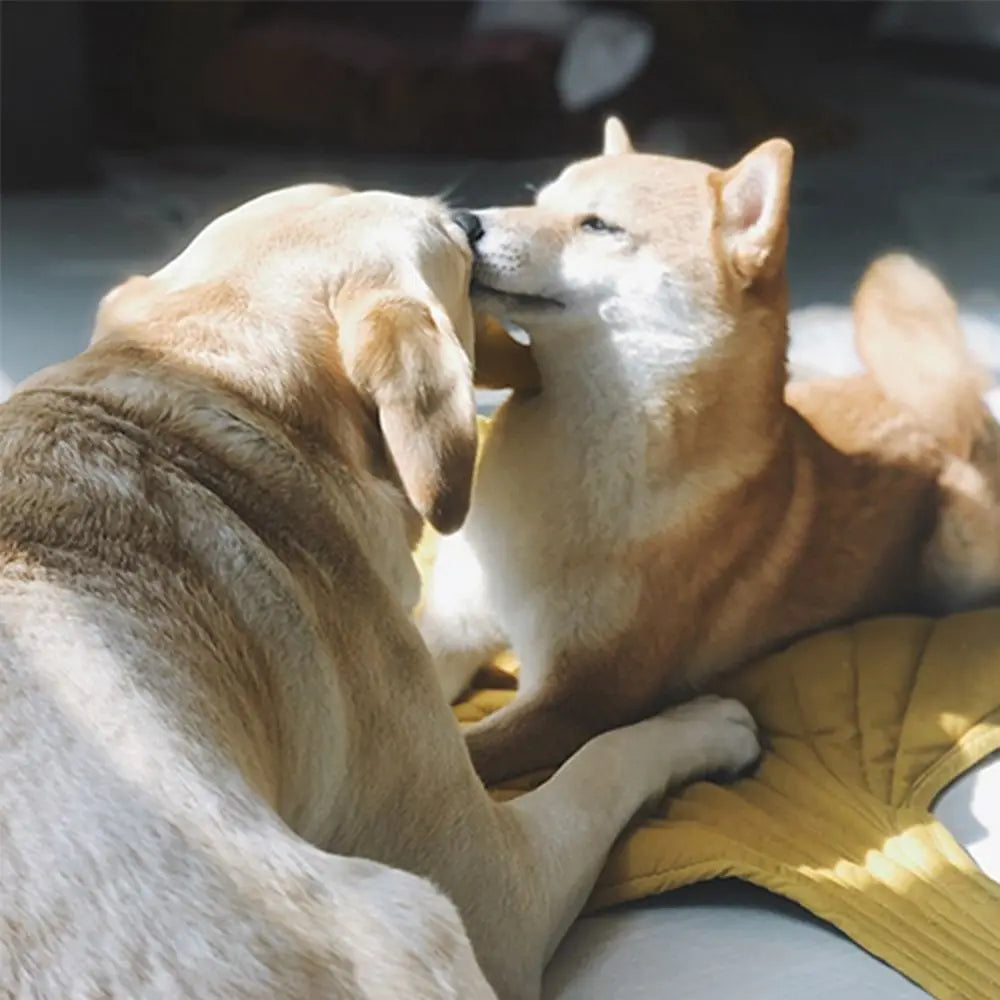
(405, 357)
(753, 210)
(616, 138)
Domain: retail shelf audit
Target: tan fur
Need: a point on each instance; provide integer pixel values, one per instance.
(502, 362)
(664, 510)
(228, 770)
(909, 337)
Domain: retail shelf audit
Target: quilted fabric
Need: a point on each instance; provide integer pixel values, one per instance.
(864, 726)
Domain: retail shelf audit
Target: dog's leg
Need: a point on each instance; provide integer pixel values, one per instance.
(456, 622)
(536, 730)
(558, 708)
(566, 827)
(519, 871)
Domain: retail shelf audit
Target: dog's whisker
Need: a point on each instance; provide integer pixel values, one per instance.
(445, 194)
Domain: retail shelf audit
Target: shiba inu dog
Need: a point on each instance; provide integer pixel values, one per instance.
(665, 508)
(228, 770)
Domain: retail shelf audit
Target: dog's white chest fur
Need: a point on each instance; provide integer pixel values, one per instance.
(563, 498)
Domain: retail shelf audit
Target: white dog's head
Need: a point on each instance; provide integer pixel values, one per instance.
(303, 290)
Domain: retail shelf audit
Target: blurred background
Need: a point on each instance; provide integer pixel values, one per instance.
(125, 126)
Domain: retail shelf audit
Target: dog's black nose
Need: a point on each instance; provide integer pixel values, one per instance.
(471, 226)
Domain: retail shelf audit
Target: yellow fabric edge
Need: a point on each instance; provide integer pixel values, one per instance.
(977, 744)
(928, 934)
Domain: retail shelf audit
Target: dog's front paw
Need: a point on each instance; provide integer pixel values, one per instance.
(715, 736)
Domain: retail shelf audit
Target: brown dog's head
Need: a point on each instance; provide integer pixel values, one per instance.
(363, 292)
(634, 243)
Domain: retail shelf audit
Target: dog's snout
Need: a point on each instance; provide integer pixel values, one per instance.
(471, 225)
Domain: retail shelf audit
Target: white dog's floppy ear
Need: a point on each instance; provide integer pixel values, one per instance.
(616, 138)
(753, 201)
(405, 357)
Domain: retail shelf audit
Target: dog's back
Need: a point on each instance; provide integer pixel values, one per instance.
(153, 649)
(106, 878)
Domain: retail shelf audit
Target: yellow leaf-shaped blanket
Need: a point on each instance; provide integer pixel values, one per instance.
(864, 726)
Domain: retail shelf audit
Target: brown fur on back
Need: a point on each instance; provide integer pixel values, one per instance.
(833, 526)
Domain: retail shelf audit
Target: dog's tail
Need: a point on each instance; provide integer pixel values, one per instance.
(907, 331)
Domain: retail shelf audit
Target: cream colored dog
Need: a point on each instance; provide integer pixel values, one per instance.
(660, 511)
(226, 766)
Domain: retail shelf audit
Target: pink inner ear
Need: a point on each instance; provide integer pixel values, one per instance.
(754, 206)
(745, 198)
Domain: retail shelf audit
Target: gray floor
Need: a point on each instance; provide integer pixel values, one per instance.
(923, 176)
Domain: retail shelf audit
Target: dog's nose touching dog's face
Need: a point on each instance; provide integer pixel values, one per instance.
(594, 247)
(623, 240)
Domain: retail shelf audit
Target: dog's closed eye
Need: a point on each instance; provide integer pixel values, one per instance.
(595, 224)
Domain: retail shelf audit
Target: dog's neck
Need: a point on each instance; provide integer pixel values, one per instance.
(284, 386)
(702, 400)
(291, 370)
